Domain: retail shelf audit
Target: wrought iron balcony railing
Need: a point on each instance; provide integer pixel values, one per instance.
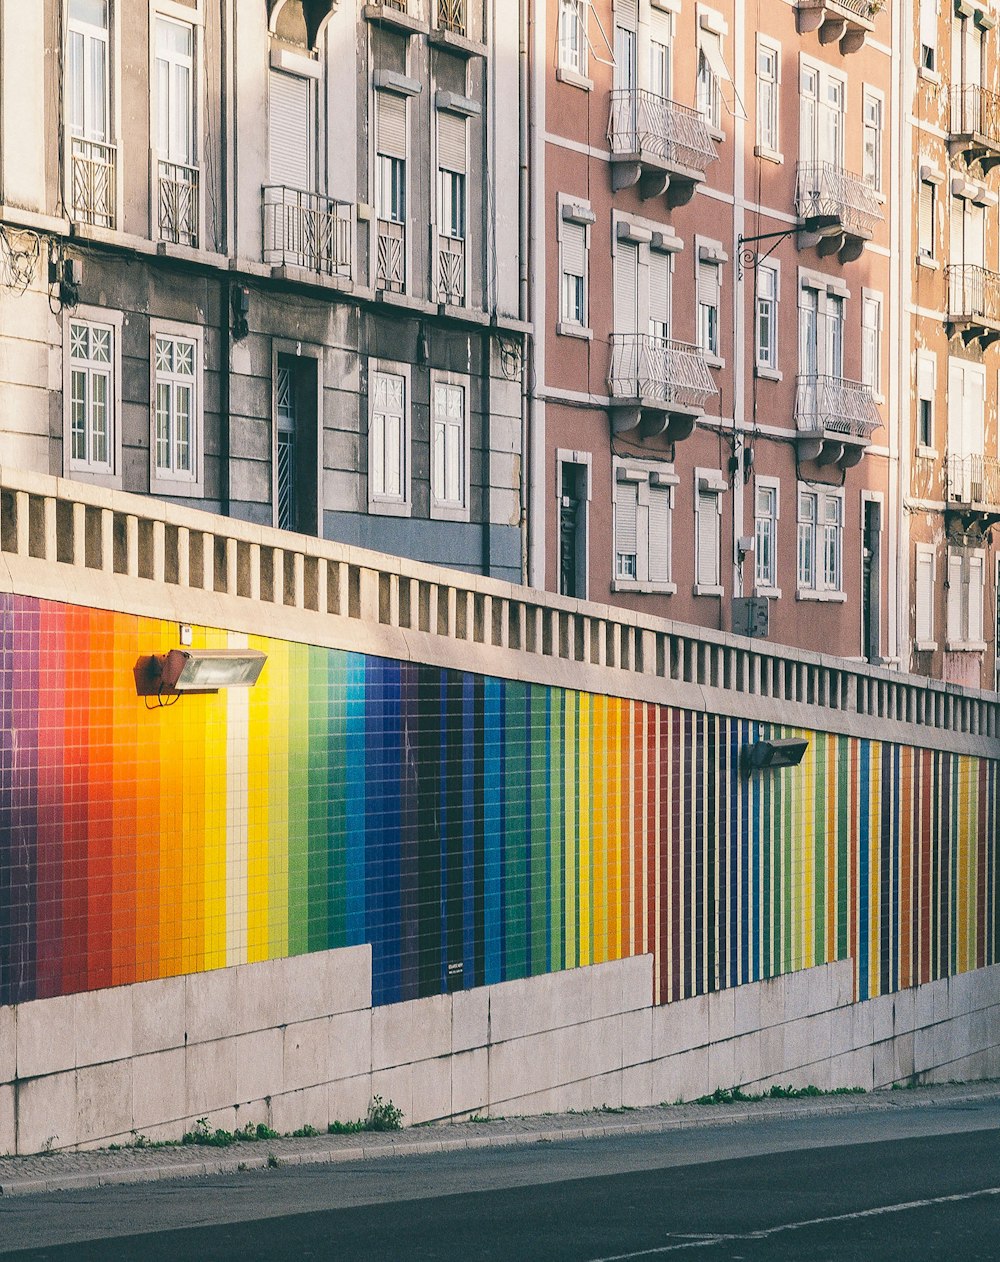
(398, 5)
(975, 111)
(659, 370)
(308, 231)
(645, 124)
(451, 16)
(451, 271)
(178, 204)
(93, 182)
(390, 263)
(974, 479)
(832, 405)
(836, 197)
(973, 295)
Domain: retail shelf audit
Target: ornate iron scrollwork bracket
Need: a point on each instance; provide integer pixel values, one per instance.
(748, 257)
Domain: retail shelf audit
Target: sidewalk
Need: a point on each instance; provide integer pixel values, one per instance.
(64, 1171)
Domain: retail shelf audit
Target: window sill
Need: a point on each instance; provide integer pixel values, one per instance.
(388, 508)
(112, 481)
(929, 76)
(768, 593)
(768, 374)
(717, 134)
(879, 196)
(927, 453)
(827, 598)
(925, 646)
(575, 330)
(925, 260)
(713, 361)
(768, 155)
(575, 80)
(449, 512)
(643, 589)
(965, 646)
(704, 589)
(176, 488)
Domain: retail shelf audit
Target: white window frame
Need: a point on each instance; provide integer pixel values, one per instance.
(767, 584)
(647, 480)
(574, 215)
(768, 121)
(924, 552)
(963, 564)
(109, 474)
(928, 358)
(161, 13)
(710, 484)
(831, 297)
(872, 96)
(573, 43)
(927, 188)
(106, 37)
(379, 501)
(710, 68)
(811, 536)
(169, 482)
(812, 147)
(927, 40)
(872, 308)
(442, 508)
(767, 367)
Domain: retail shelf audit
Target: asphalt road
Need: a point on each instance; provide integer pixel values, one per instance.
(872, 1186)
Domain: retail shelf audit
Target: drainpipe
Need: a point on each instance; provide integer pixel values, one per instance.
(535, 367)
(522, 260)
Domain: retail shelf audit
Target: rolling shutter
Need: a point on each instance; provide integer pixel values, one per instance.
(925, 218)
(452, 133)
(626, 287)
(925, 376)
(289, 131)
(709, 505)
(955, 598)
(659, 288)
(708, 283)
(974, 607)
(627, 14)
(626, 518)
(391, 124)
(574, 249)
(924, 598)
(928, 23)
(659, 534)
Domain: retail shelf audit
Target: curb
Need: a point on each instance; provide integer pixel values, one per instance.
(244, 1159)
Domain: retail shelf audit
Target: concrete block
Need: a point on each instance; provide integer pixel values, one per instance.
(103, 1026)
(807, 992)
(104, 1101)
(589, 1050)
(923, 1006)
(350, 1039)
(157, 1015)
(924, 1049)
(721, 1065)
(46, 1038)
(680, 1026)
(807, 1040)
(526, 1066)
(746, 1009)
(470, 1019)
(885, 1064)
(46, 1112)
(721, 1015)
(159, 1090)
(863, 1024)
(637, 1037)
(210, 1071)
(348, 1098)
(681, 1077)
(523, 1007)
(259, 1065)
(746, 1058)
(637, 982)
(842, 983)
(606, 1091)
(772, 1001)
(8, 1044)
(942, 999)
(851, 1069)
(259, 999)
(417, 1030)
(431, 1085)
(394, 1086)
(294, 1109)
(470, 1081)
(210, 1005)
(841, 1031)
(904, 1009)
(902, 1048)
(637, 1086)
(306, 1054)
(883, 1013)
(253, 1113)
(772, 1050)
(8, 1120)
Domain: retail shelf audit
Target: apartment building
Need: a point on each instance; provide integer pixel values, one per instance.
(950, 273)
(250, 252)
(714, 426)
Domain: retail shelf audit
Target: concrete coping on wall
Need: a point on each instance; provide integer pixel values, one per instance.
(67, 540)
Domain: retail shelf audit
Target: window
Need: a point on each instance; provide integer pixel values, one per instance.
(820, 541)
(644, 501)
(928, 35)
(926, 387)
(766, 320)
(821, 329)
(872, 160)
(966, 576)
(452, 184)
(88, 91)
(390, 192)
(287, 409)
(291, 131)
(573, 36)
(660, 52)
(821, 117)
(92, 397)
(708, 96)
(768, 69)
(712, 70)
(924, 598)
(766, 535)
(966, 431)
(175, 407)
(573, 229)
(388, 440)
(871, 342)
(175, 91)
(925, 219)
(709, 295)
(449, 448)
(659, 294)
(708, 535)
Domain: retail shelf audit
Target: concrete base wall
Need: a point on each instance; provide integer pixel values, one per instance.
(297, 1041)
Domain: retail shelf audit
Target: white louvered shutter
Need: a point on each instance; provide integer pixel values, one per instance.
(452, 141)
(973, 410)
(975, 235)
(626, 519)
(659, 293)
(290, 131)
(925, 376)
(955, 599)
(708, 283)
(391, 124)
(974, 606)
(626, 287)
(627, 13)
(708, 538)
(574, 249)
(924, 598)
(659, 534)
(928, 23)
(925, 218)
(956, 391)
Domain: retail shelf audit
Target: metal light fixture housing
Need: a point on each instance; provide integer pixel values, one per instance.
(770, 755)
(197, 671)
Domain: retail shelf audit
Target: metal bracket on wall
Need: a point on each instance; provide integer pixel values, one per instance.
(749, 257)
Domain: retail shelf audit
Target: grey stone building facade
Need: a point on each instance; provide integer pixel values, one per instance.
(257, 258)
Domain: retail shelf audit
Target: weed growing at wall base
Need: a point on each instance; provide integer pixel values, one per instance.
(204, 1135)
(736, 1095)
(382, 1115)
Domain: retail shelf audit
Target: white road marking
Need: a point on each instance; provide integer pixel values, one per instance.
(765, 1232)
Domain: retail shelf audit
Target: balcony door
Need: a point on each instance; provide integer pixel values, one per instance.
(88, 81)
(291, 131)
(627, 311)
(821, 118)
(871, 581)
(296, 444)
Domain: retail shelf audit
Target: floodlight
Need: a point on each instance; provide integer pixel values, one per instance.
(772, 754)
(197, 671)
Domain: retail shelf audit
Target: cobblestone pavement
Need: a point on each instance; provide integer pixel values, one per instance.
(57, 1171)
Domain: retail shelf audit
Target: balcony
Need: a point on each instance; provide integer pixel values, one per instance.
(451, 271)
(974, 303)
(835, 419)
(972, 491)
(657, 144)
(975, 125)
(657, 385)
(838, 209)
(93, 183)
(844, 22)
(390, 260)
(178, 204)
(307, 231)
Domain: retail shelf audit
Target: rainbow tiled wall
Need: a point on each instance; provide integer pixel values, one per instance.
(472, 829)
